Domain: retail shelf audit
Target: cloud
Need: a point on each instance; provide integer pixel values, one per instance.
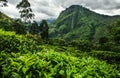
(10, 11)
(104, 4)
(45, 9)
(94, 4)
(108, 12)
(13, 1)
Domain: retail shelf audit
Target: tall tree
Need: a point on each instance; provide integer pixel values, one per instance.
(3, 3)
(25, 10)
(34, 28)
(19, 27)
(44, 29)
(6, 25)
(115, 31)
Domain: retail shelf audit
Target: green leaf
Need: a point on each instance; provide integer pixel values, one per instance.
(61, 72)
(24, 69)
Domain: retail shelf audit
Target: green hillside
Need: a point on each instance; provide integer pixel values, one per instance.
(22, 57)
(5, 17)
(6, 22)
(77, 22)
(28, 55)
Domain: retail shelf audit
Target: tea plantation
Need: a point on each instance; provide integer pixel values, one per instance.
(27, 56)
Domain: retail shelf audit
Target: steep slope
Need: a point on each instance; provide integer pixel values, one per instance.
(5, 17)
(6, 22)
(22, 57)
(77, 22)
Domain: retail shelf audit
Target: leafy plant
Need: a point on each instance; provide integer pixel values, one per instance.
(11, 42)
(47, 64)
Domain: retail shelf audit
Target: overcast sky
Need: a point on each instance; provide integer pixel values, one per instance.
(47, 9)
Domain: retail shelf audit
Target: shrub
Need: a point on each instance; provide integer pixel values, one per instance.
(110, 57)
(116, 48)
(57, 42)
(48, 64)
(10, 42)
(74, 43)
(83, 45)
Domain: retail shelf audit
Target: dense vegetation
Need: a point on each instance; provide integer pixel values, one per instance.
(77, 22)
(27, 51)
(29, 60)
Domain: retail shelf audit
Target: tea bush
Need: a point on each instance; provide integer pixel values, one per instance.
(83, 45)
(11, 42)
(110, 57)
(57, 42)
(50, 64)
(25, 57)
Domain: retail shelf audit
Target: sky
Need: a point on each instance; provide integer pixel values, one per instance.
(50, 9)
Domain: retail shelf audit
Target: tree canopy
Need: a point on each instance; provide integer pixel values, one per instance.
(3, 3)
(25, 10)
(44, 29)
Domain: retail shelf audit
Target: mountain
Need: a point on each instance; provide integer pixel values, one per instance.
(49, 21)
(6, 22)
(5, 17)
(77, 22)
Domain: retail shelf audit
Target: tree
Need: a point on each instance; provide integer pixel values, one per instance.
(114, 31)
(6, 25)
(3, 3)
(44, 29)
(103, 40)
(19, 27)
(25, 10)
(34, 28)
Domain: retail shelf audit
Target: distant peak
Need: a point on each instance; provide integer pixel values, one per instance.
(75, 6)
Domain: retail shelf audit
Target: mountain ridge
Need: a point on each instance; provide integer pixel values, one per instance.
(77, 22)
(5, 17)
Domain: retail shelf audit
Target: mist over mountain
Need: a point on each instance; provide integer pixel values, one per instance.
(78, 22)
(49, 21)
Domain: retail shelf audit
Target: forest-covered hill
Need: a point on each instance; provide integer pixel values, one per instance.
(77, 22)
(5, 17)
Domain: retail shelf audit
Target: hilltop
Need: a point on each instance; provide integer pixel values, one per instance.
(77, 22)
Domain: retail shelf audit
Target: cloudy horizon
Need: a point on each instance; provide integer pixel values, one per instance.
(50, 9)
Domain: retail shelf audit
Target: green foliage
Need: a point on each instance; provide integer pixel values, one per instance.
(111, 42)
(6, 25)
(34, 29)
(82, 45)
(116, 33)
(77, 22)
(19, 27)
(36, 38)
(110, 57)
(10, 42)
(6, 22)
(105, 44)
(57, 42)
(44, 29)
(22, 56)
(3, 3)
(25, 10)
(47, 64)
